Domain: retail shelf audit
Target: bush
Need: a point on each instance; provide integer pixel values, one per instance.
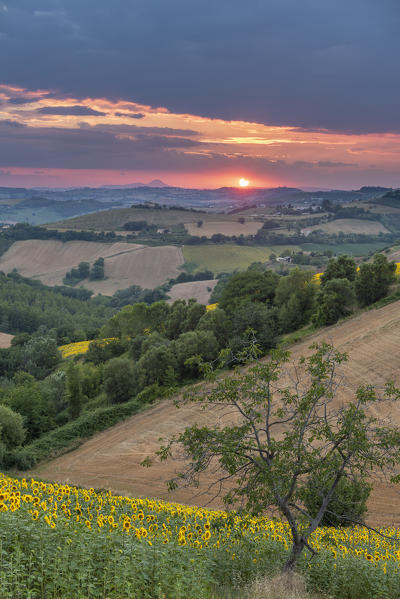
(118, 380)
(12, 431)
(347, 506)
(70, 435)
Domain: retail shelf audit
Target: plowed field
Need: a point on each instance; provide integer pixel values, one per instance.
(125, 263)
(112, 458)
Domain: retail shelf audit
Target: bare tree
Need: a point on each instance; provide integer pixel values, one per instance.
(273, 440)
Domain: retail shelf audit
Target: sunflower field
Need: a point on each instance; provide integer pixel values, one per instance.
(80, 347)
(60, 541)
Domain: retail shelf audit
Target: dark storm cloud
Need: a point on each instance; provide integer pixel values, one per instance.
(71, 110)
(311, 64)
(89, 147)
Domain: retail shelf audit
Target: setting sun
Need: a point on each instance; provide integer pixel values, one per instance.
(243, 182)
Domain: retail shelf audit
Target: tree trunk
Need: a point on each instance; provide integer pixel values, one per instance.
(295, 553)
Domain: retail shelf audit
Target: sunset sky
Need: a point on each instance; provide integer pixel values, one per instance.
(200, 93)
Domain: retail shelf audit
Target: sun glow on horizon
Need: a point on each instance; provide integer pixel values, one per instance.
(243, 182)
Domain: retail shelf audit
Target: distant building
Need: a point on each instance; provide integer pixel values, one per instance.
(284, 259)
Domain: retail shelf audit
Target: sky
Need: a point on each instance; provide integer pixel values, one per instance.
(200, 93)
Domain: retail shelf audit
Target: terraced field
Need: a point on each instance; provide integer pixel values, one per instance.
(112, 458)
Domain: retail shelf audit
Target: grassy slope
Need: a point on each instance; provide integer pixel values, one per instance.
(228, 256)
(109, 220)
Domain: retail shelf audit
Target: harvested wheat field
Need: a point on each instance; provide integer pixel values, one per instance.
(125, 263)
(228, 228)
(112, 458)
(199, 290)
(5, 340)
(350, 225)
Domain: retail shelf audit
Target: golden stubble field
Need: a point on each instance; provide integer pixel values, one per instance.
(111, 459)
(125, 264)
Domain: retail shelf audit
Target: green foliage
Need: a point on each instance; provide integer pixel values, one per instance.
(26, 304)
(216, 322)
(191, 344)
(40, 356)
(295, 296)
(74, 390)
(27, 398)
(266, 466)
(118, 380)
(249, 286)
(374, 279)
(97, 270)
(70, 435)
(258, 317)
(12, 432)
(99, 352)
(348, 504)
(335, 300)
(342, 267)
(155, 366)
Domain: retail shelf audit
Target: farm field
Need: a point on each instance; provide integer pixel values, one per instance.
(229, 228)
(110, 220)
(125, 264)
(112, 458)
(196, 289)
(5, 340)
(228, 256)
(101, 545)
(351, 249)
(349, 225)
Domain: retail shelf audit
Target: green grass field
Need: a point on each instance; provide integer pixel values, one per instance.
(110, 220)
(228, 256)
(351, 249)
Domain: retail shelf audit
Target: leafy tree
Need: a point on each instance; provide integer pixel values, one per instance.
(183, 317)
(216, 322)
(54, 388)
(374, 279)
(118, 380)
(195, 343)
(138, 320)
(295, 296)
(28, 399)
(157, 365)
(258, 317)
(248, 286)
(40, 355)
(348, 503)
(12, 431)
(74, 390)
(84, 270)
(97, 270)
(100, 352)
(334, 300)
(272, 438)
(342, 267)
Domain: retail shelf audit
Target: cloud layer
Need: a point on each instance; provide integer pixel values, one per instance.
(311, 64)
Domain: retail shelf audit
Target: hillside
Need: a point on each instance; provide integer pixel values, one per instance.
(125, 263)
(112, 458)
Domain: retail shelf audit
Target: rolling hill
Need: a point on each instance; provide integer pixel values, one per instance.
(125, 263)
(112, 458)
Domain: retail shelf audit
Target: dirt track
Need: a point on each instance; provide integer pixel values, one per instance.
(112, 459)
